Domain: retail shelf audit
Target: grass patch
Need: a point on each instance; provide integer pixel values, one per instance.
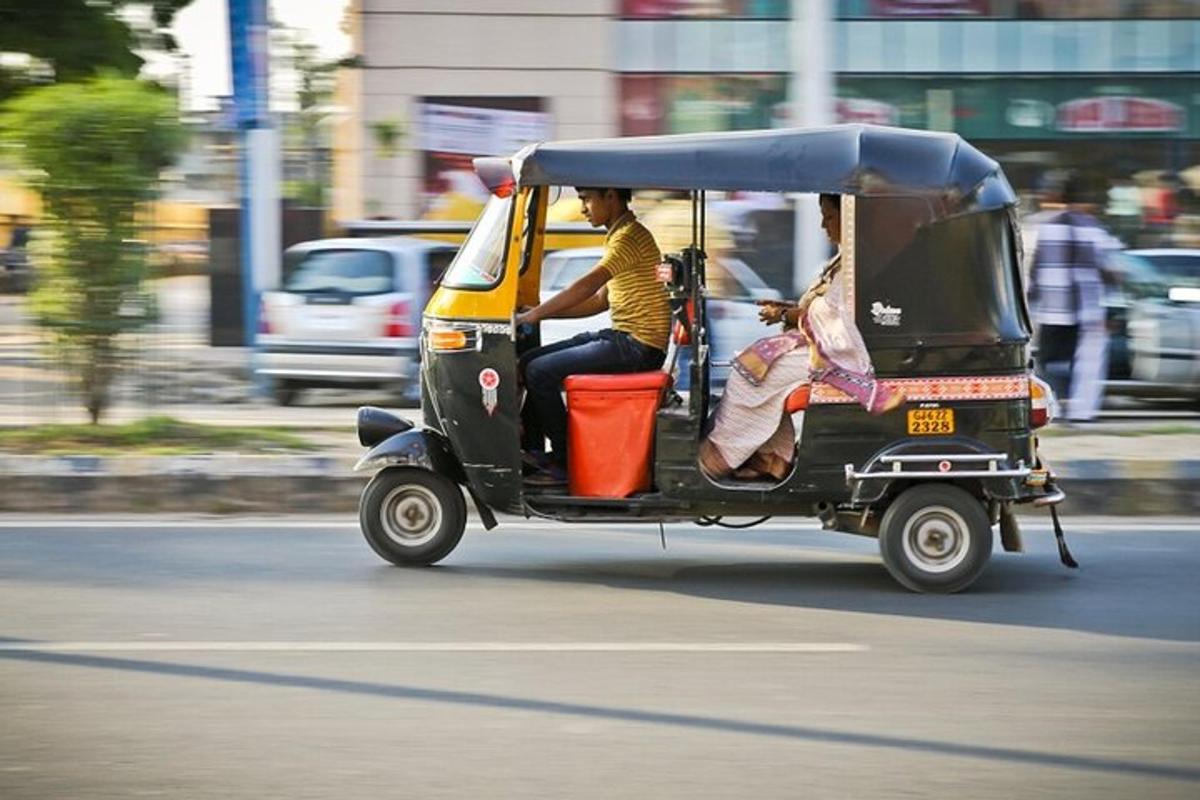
(150, 436)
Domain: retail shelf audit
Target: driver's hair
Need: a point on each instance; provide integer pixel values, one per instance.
(832, 199)
(626, 195)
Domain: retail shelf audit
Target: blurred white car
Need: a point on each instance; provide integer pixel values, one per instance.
(1162, 288)
(348, 313)
(733, 316)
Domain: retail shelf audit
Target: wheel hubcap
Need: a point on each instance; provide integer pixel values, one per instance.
(936, 539)
(411, 515)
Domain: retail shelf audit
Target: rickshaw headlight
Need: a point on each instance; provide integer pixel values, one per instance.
(1042, 403)
(450, 340)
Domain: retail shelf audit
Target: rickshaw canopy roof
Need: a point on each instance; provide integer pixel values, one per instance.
(840, 159)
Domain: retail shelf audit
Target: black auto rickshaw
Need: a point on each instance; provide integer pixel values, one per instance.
(931, 239)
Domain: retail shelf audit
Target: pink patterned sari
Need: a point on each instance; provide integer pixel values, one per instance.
(751, 427)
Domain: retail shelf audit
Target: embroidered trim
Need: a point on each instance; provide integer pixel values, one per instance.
(1002, 387)
(847, 250)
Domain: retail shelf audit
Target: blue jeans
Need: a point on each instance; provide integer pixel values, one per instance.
(545, 368)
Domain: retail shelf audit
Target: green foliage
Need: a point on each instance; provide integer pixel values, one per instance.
(318, 81)
(388, 134)
(77, 38)
(94, 151)
(151, 436)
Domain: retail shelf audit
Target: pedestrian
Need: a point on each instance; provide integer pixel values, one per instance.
(1066, 291)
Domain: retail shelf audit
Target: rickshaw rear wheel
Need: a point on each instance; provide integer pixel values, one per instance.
(935, 538)
(412, 517)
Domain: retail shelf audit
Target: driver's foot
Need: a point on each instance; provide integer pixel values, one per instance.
(551, 475)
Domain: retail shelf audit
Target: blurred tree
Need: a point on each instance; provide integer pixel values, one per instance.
(316, 81)
(94, 151)
(76, 38)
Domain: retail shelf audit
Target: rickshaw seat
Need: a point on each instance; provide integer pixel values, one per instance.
(798, 400)
(624, 382)
(610, 431)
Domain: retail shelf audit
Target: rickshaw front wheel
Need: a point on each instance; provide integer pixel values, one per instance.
(412, 517)
(935, 538)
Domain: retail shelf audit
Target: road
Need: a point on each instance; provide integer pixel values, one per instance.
(282, 659)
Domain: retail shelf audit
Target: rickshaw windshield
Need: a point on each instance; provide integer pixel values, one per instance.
(480, 262)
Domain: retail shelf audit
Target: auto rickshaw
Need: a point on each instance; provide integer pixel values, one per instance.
(930, 237)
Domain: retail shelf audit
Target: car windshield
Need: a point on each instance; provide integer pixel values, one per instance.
(480, 262)
(1179, 269)
(357, 272)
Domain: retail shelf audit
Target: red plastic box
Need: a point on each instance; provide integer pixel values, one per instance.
(610, 432)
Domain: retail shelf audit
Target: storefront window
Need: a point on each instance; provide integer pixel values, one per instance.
(652, 104)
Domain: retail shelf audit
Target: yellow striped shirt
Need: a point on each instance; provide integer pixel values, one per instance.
(637, 301)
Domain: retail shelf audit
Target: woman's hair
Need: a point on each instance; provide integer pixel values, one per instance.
(826, 197)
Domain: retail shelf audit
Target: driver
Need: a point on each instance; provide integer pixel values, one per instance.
(625, 283)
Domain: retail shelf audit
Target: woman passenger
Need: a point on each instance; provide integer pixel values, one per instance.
(752, 435)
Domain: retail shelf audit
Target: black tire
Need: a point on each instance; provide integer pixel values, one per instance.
(935, 538)
(412, 517)
(284, 393)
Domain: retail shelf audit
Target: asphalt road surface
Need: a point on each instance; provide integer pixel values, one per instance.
(282, 659)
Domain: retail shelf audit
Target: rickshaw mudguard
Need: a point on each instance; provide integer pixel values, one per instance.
(956, 459)
(422, 447)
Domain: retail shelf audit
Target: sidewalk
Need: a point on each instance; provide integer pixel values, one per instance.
(1112, 470)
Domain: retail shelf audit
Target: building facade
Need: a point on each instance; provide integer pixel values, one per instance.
(1039, 84)
(443, 82)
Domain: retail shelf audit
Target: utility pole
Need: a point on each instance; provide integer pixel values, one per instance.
(811, 95)
(260, 173)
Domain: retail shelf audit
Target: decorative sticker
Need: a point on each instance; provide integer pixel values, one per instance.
(885, 315)
(489, 381)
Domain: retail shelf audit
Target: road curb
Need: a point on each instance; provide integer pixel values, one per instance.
(234, 484)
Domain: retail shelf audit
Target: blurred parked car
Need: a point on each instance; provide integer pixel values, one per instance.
(732, 314)
(1154, 323)
(348, 313)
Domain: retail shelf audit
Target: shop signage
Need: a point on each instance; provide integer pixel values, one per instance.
(1026, 108)
(480, 131)
(1120, 114)
(930, 8)
(867, 112)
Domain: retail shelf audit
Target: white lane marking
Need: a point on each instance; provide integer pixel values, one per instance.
(515, 524)
(435, 647)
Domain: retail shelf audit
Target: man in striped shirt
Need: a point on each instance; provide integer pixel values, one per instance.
(1066, 290)
(625, 283)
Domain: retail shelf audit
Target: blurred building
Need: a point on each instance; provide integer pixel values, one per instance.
(1039, 84)
(1102, 85)
(445, 81)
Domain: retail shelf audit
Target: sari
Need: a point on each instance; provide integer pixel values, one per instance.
(751, 429)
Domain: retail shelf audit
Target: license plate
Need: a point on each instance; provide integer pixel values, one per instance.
(931, 421)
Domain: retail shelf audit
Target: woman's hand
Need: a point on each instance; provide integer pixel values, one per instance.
(772, 311)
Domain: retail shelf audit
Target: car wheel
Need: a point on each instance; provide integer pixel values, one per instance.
(935, 538)
(412, 517)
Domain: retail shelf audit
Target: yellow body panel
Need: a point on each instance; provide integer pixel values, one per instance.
(530, 287)
(497, 303)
